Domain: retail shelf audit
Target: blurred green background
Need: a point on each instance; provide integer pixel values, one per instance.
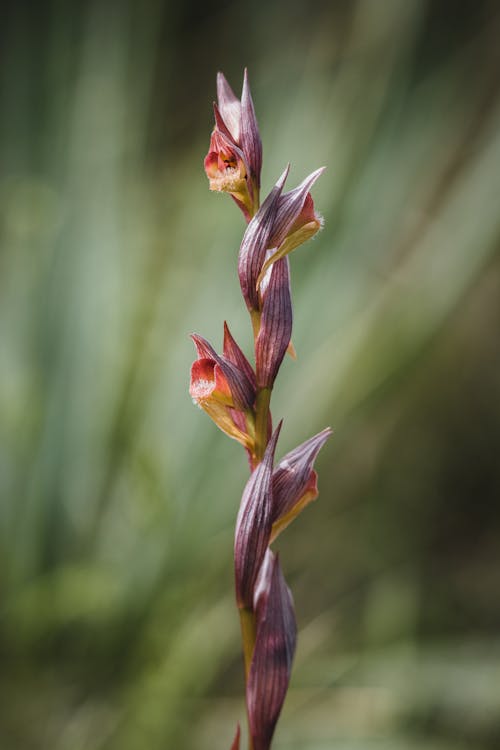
(118, 498)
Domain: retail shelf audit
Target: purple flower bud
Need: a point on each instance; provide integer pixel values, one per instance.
(275, 325)
(294, 481)
(273, 653)
(253, 526)
(255, 243)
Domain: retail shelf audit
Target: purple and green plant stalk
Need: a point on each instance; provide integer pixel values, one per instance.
(237, 397)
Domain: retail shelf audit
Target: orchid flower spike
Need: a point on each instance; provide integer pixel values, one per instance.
(237, 396)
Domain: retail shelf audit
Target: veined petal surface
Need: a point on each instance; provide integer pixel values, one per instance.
(275, 642)
(255, 243)
(253, 526)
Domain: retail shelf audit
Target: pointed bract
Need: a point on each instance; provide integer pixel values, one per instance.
(253, 526)
(250, 137)
(255, 243)
(275, 325)
(295, 481)
(275, 642)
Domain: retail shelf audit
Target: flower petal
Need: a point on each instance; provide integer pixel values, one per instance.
(221, 125)
(242, 389)
(253, 526)
(223, 418)
(255, 243)
(275, 325)
(203, 347)
(250, 137)
(210, 389)
(275, 642)
(208, 381)
(226, 167)
(233, 353)
(229, 106)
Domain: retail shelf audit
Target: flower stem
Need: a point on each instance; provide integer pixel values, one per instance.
(248, 633)
(261, 422)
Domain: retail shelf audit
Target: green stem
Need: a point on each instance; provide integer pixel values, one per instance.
(248, 633)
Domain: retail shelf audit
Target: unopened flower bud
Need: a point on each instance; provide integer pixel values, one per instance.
(275, 642)
(275, 325)
(253, 526)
